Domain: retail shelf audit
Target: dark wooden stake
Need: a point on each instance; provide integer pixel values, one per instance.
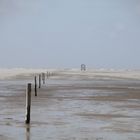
(43, 78)
(47, 74)
(39, 80)
(35, 86)
(28, 103)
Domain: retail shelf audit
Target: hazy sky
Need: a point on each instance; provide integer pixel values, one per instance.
(66, 33)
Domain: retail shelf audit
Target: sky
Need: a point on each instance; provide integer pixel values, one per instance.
(67, 33)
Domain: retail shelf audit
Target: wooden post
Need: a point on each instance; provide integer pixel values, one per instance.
(39, 80)
(28, 103)
(43, 78)
(35, 86)
(47, 74)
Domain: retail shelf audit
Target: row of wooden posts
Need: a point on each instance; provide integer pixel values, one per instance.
(41, 77)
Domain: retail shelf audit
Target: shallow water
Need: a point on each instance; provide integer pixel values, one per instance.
(72, 108)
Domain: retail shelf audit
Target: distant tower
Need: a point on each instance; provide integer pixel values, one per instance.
(83, 67)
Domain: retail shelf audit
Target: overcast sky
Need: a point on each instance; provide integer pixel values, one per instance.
(66, 33)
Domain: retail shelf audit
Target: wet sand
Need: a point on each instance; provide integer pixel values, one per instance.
(72, 107)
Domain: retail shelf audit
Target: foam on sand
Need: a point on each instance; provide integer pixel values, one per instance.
(7, 73)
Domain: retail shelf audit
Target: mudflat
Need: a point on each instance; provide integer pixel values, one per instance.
(72, 106)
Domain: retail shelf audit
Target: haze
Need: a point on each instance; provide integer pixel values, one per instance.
(66, 33)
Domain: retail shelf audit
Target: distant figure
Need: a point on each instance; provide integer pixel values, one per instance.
(83, 67)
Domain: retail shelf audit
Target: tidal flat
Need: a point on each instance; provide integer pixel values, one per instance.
(72, 105)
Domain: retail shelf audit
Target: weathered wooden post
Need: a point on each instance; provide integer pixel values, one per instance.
(47, 74)
(43, 78)
(28, 103)
(39, 80)
(35, 86)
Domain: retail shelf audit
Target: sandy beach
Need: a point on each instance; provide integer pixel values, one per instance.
(71, 105)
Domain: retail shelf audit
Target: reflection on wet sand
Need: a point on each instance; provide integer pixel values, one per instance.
(28, 132)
